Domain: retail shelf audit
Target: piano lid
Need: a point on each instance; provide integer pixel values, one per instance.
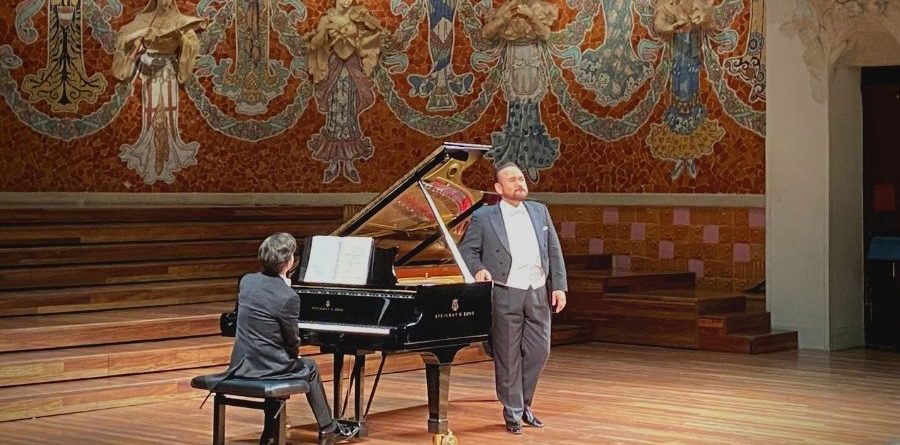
(403, 217)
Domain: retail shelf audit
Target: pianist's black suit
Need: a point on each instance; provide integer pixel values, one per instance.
(267, 339)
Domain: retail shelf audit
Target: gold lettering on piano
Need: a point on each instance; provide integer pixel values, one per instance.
(454, 314)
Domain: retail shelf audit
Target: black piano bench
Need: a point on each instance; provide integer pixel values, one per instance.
(274, 393)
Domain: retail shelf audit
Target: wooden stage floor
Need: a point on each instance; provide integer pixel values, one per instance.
(590, 394)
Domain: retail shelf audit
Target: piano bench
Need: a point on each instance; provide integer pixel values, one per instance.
(273, 392)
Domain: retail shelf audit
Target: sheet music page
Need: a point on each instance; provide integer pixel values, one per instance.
(323, 259)
(339, 260)
(353, 261)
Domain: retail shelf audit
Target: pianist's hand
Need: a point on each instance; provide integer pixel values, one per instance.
(483, 275)
(558, 300)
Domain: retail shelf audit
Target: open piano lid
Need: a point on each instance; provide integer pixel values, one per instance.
(404, 217)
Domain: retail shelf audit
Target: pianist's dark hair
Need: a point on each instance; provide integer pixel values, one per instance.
(276, 250)
(502, 167)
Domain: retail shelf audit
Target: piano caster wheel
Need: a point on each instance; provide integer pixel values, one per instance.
(445, 439)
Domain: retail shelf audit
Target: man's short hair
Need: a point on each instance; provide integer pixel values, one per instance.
(502, 167)
(275, 251)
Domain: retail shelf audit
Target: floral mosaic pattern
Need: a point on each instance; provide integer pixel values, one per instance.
(250, 103)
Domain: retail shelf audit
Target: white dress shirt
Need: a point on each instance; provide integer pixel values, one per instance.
(525, 270)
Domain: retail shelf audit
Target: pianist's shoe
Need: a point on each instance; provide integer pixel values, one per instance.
(337, 432)
(514, 427)
(529, 419)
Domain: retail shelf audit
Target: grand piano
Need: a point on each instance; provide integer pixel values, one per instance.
(420, 296)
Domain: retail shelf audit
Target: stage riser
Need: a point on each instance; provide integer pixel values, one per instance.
(68, 235)
(110, 253)
(122, 326)
(85, 395)
(80, 299)
(723, 305)
(153, 356)
(636, 330)
(106, 274)
(128, 214)
(27, 368)
(650, 281)
(664, 309)
(734, 323)
(748, 343)
(564, 334)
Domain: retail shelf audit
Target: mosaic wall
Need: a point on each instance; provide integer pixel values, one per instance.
(724, 247)
(314, 96)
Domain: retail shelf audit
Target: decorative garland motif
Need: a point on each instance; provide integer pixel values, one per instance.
(63, 82)
(63, 128)
(616, 71)
(284, 16)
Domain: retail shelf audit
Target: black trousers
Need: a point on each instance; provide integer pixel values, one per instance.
(305, 369)
(520, 341)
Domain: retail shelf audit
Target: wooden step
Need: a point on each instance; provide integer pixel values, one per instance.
(650, 330)
(76, 234)
(102, 274)
(617, 280)
(658, 317)
(23, 368)
(130, 214)
(22, 402)
(756, 302)
(639, 281)
(79, 299)
(114, 326)
(567, 333)
(750, 342)
(588, 261)
(86, 395)
(705, 301)
(730, 323)
(131, 252)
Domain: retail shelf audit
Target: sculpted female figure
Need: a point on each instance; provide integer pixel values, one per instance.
(343, 52)
(523, 25)
(161, 45)
(686, 134)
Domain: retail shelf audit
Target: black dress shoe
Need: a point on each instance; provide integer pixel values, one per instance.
(514, 427)
(529, 419)
(336, 432)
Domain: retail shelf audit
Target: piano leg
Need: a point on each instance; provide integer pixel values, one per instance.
(359, 373)
(437, 377)
(338, 381)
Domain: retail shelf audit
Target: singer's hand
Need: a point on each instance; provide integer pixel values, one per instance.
(483, 275)
(558, 300)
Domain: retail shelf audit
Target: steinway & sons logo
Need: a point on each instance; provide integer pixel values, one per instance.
(454, 311)
(328, 307)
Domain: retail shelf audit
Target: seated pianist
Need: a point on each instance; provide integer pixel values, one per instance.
(267, 342)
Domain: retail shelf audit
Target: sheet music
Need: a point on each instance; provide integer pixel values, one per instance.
(353, 261)
(339, 260)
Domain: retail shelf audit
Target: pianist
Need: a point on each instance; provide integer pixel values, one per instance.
(515, 244)
(267, 340)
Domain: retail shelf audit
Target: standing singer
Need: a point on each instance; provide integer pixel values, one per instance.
(523, 270)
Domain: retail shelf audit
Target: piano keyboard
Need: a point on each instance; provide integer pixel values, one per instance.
(346, 328)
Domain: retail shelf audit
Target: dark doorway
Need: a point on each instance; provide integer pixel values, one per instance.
(881, 187)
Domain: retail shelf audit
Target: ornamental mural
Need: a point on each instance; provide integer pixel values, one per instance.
(62, 82)
(346, 95)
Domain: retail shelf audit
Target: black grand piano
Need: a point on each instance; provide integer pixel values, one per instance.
(420, 297)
